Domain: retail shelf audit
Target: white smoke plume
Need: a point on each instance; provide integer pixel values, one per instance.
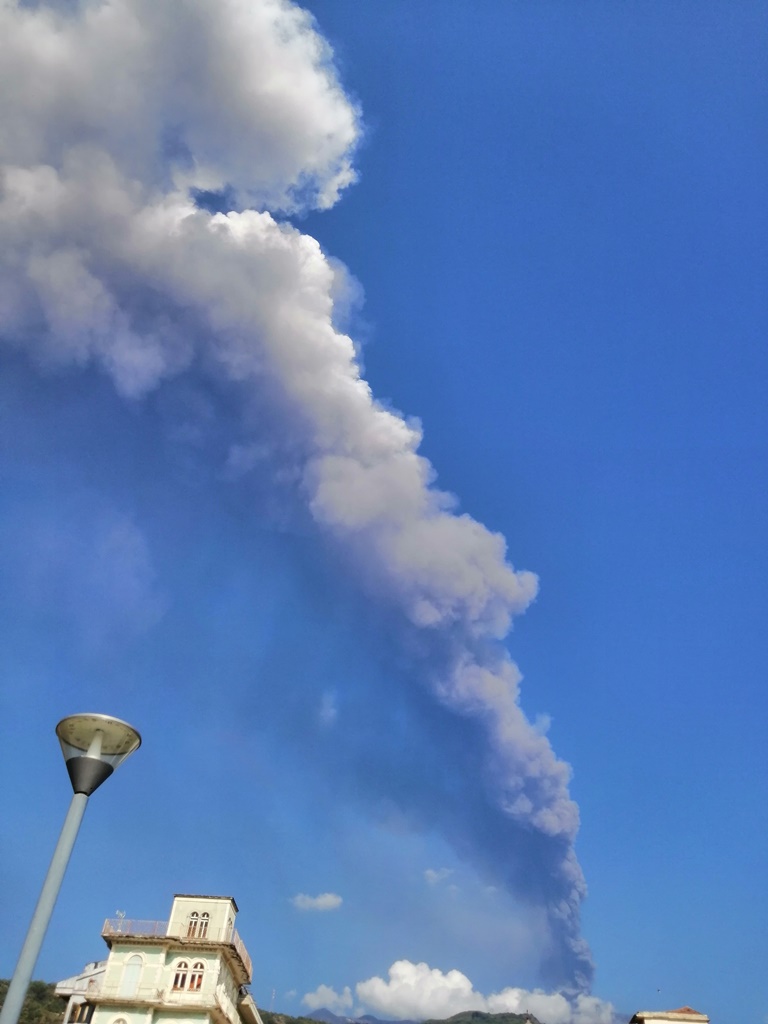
(115, 115)
(92, 563)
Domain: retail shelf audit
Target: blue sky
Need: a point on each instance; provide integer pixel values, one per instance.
(559, 232)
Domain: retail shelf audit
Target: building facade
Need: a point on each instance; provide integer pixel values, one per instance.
(191, 969)
(683, 1015)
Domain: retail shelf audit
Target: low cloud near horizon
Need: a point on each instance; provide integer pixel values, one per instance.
(418, 992)
(324, 997)
(324, 901)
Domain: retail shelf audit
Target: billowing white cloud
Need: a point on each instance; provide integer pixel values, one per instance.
(417, 991)
(324, 901)
(113, 114)
(327, 998)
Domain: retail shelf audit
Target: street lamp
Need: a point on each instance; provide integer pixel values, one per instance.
(93, 746)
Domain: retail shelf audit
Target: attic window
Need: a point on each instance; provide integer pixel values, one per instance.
(198, 925)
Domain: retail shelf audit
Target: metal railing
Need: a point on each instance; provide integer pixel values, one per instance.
(124, 927)
(241, 951)
(203, 998)
(138, 929)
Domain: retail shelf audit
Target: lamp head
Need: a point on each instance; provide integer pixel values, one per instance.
(93, 746)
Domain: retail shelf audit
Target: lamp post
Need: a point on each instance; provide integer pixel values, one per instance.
(93, 746)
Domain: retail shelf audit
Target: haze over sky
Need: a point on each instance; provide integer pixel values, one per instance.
(543, 226)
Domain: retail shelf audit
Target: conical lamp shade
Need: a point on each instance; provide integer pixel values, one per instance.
(93, 746)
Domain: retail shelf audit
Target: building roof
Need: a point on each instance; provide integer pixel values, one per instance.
(200, 896)
(682, 1014)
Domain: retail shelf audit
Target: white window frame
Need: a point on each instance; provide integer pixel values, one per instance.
(180, 974)
(196, 975)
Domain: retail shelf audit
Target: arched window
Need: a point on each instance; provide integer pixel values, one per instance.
(131, 974)
(180, 977)
(196, 977)
(198, 925)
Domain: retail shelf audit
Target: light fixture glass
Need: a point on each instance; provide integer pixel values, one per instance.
(93, 746)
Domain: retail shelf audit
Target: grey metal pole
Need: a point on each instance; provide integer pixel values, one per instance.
(30, 951)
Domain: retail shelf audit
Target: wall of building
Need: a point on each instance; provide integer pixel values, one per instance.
(128, 1014)
(152, 972)
(203, 916)
(151, 978)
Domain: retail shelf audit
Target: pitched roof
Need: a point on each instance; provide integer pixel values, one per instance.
(683, 1014)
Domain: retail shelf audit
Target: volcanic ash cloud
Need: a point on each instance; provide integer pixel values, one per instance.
(115, 116)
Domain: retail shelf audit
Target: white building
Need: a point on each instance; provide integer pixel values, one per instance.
(683, 1015)
(191, 969)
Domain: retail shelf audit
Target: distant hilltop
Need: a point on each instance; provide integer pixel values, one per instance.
(467, 1017)
(43, 1006)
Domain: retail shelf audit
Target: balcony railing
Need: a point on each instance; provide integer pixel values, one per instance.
(242, 952)
(126, 928)
(204, 998)
(137, 929)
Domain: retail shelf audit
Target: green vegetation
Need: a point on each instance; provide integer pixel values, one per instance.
(41, 1005)
(282, 1018)
(468, 1017)
(476, 1017)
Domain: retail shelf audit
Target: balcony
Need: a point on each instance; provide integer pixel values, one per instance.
(122, 926)
(213, 1000)
(143, 931)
